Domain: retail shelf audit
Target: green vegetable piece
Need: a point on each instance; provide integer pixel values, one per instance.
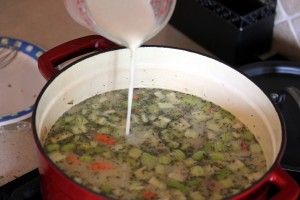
(52, 147)
(206, 106)
(68, 147)
(216, 156)
(80, 120)
(134, 153)
(190, 100)
(226, 137)
(148, 160)
(106, 188)
(173, 144)
(208, 146)
(189, 133)
(189, 162)
(255, 148)
(69, 118)
(95, 150)
(152, 109)
(198, 155)
(197, 171)
(164, 160)
(177, 185)
(160, 169)
(86, 158)
(248, 135)
(194, 183)
(219, 146)
(227, 182)
(223, 173)
(179, 155)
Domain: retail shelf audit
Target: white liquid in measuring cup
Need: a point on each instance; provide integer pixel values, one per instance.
(127, 22)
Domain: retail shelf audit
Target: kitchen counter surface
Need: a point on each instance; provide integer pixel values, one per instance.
(47, 24)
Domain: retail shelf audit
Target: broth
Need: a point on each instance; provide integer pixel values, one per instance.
(180, 147)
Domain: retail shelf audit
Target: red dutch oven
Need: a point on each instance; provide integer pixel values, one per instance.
(157, 67)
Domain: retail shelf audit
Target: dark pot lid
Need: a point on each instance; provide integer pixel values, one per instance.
(278, 78)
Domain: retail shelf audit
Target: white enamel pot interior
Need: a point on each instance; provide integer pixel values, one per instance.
(166, 68)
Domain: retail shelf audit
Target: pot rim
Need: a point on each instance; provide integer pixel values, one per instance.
(261, 181)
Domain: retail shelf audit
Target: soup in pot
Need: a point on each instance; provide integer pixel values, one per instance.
(179, 147)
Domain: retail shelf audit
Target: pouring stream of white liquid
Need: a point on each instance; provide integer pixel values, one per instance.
(127, 22)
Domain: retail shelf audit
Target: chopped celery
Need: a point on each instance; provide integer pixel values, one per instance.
(179, 155)
(189, 162)
(52, 147)
(226, 137)
(201, 116)
(217, 115)
(69, 118)
(197, 171)
(227, 182)
(206, 106)
(219, 146)
(159, 95)
(190, 100)
(223, 173)
(180, 125)
(160, 169)
(248, 135)
(208, 146)
(56, 156)
(79, 120)
(134, 153)
(198, 155)
(164, 159)
(255, 148)
(212, 125)
(216, 156)
(68, 147)
(148, 160)
(177, 185)
(173, 144)
(162, 122)
(153, 109)
(86, 158)
(78, 129)
(190, 133)
(106, 188)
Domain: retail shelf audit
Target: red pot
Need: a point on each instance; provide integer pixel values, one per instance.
(158, 67)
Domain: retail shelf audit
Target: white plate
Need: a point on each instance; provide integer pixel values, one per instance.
(20, 82)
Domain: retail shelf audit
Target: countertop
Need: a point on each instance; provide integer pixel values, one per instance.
(47, 24)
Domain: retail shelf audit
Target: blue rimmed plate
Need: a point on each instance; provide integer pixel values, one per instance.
(20, 82)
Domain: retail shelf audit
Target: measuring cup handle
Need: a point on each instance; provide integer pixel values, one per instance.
(49, 60)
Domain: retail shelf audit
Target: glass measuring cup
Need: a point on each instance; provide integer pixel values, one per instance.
(137, 20)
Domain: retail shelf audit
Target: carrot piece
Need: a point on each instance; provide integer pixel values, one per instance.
(244, 145)
(100, 166)
(72, 159)
(136, 97)
(105, 139)
(148, 195)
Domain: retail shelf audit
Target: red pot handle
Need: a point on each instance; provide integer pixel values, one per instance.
(288, 188)
(72, 49)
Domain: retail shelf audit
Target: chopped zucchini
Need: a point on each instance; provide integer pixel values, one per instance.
(197, 171)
